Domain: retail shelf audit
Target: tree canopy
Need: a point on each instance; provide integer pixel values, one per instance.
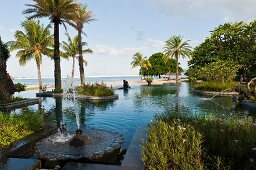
(160, 65)
(235, 42)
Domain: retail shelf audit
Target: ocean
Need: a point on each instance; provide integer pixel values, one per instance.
(92, 79)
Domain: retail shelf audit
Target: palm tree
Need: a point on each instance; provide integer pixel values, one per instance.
(140, 61)
(59, 12)
(34, 42)
(71, 50)
(82, 16)
(176, 47)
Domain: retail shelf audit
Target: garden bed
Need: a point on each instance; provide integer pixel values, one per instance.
(18, 104)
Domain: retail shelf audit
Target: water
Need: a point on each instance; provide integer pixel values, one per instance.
(134, 108)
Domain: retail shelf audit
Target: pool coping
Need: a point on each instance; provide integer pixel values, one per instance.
(18, 104)
(214, 93)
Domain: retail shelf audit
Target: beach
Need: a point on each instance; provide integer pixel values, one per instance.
(120, 83)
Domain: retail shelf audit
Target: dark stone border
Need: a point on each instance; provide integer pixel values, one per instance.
(248, 103)
(19, 104)
(212, 93)
(95, 98)
(45, 94)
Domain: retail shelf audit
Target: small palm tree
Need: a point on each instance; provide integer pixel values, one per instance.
(176, 47)
(71, 50)
(59, 12)
(82, 16)
(140, 61)
(33, 43)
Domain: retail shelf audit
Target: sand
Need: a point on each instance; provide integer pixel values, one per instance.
(120, 83)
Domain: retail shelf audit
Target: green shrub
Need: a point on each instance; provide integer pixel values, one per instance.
(172, 145)
(96, 89)
(20, 87)
(58, 90)
(215, 86)
(228, 141)
(16, 126)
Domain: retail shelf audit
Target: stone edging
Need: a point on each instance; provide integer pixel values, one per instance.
(249, 104)
(212, 93)
(18, 104)
(115, 96)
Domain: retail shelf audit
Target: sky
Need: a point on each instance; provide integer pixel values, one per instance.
(124, 27)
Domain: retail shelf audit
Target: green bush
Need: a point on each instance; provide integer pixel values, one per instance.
(20, 87)
(172, 145)
(215, 86)
(16, 126)
(99, 90)
(58, 91)
(227, 141)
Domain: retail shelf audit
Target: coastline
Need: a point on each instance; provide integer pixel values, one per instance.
(120, 83)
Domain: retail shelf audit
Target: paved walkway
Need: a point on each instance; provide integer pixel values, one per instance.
(132, 159)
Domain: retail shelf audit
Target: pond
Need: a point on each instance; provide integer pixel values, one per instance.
(134, 108)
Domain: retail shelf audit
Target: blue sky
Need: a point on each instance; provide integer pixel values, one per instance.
(124, 27)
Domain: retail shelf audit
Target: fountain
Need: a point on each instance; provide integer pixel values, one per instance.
(86, 144)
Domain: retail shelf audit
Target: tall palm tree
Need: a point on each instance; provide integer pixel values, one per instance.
(83, 16)
(59, 12)
(176, 47)
(140, 61)
(71, 50)
(35, 41)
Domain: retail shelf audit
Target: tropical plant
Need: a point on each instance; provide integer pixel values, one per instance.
(33, 43)
(160, 65)
(172, 145)
(82, 16)
(234, 42)
(16, 126)
(176, 47)
(6, 84)
(140, 61)
(71, 50)
(59, 12)
(99, 90)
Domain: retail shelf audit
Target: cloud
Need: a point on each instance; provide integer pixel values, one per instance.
(113, 51)
(108, 50)
(151, 43)
(225, 9)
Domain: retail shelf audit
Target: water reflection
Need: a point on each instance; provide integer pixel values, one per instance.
(136, 107)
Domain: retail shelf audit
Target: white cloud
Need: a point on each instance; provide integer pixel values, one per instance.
(226, 9)
(113, 51)
(155, 43)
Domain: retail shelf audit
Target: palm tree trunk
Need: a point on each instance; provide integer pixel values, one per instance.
(39, 77)
(177, 69)
(73, 67)
(141, 72)
(57, 69)
(80, 59)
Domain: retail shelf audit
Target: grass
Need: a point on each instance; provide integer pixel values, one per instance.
(215, 86)
(16, 126)
(99, 90)
(217, 142)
